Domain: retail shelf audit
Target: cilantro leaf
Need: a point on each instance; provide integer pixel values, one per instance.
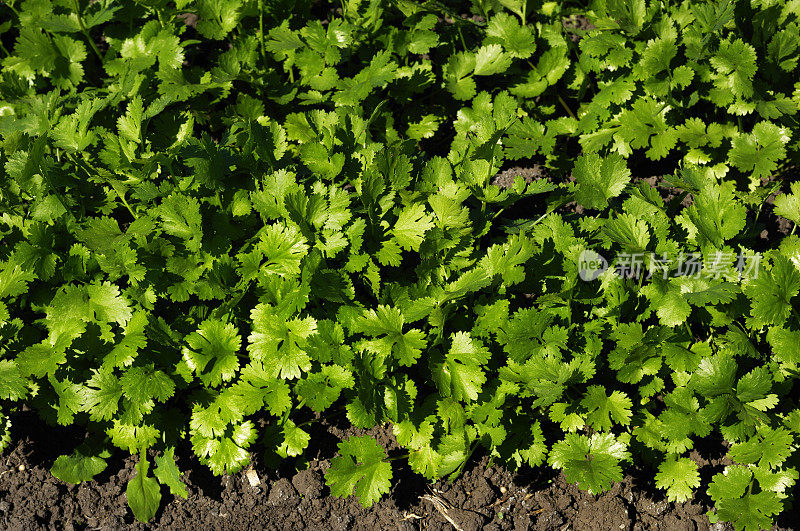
(735, 503)
(461, 375)
(280, 343)
(212, 352)
(679, 477)
(360, 469)
(591, 462)
(599, 180)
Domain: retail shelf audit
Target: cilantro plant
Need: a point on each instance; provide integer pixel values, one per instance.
(224, 219)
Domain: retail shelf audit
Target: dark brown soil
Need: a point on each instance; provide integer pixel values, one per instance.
(506, 178)
(484, 497)
(577, 25)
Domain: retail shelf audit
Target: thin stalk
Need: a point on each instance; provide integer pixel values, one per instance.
(566, 107)
(85, 32)
(261, 29)
(461, 36)
(13, 9)
(498, 213)
(87, 166)
(121, 196)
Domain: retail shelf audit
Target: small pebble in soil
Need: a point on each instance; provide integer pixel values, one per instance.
(21, 468)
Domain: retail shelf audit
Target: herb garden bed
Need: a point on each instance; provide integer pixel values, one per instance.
(391, 263)
(484, 497)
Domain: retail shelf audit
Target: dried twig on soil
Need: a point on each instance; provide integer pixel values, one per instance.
(443, 507)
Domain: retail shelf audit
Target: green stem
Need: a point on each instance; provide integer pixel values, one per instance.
(461, 36)
(121, 195)
(566, 107)
(87, 167)
(261, 29)
(85, 32)
(498, 213)
(13, 9)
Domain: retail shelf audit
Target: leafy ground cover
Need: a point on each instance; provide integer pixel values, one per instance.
(223, 220)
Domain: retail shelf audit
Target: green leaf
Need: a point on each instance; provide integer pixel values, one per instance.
(603, 411)
(217, 18)
(668, 301)
(360, 469)
(386, 325)
(631, 233)
(295, 440)
(130, 124)
(771, 293)
(321, 389)
(411, 225)
(717, 214)
(5, 431)
(768, 448)
(100, 397)
(212, 352)
(517, 41)
(599, 179)
(143, 493)
(82, 465)
(788, 205)
(280, 343)
(679, 477)
(180, 215)
(491, 60)
(759, 152)
(592, 462)
(715, 376)
(13, 279)
(735, 503)
(283, 248)
(168, 474)
(458, 75)
(735, 64)
(461, 375)
(12, 385)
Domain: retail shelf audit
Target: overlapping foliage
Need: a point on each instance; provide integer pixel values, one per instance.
(221, 218)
